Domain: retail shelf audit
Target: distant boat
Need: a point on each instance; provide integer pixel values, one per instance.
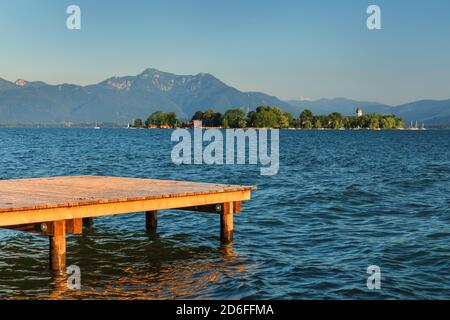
(416, 126)
(412, 127)
(96, 126)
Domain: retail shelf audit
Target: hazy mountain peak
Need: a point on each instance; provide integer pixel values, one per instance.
(150, 71)
(205, 75)
(33, 84)
(21, 82)
(155, 73)
(301, 98)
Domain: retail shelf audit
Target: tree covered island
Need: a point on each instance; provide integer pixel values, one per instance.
(273, 117)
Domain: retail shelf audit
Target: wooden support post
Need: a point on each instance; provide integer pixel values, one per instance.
(88, 222)
(226, 222)
(237, 206)
(58, 246)
(151, 220)
(74, 226)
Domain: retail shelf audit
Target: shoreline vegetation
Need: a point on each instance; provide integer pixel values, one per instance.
(271, 117)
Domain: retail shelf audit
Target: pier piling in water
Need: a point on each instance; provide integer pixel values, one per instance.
(58, 246)
(226, 222)
(151, 221)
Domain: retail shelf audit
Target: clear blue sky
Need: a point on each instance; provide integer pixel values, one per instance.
(314, 48)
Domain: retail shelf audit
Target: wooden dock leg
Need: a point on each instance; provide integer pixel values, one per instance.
(151, 220)
(88, 222)
(58, 246)
(226, 223)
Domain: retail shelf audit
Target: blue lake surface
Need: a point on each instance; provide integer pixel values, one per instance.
(342, 201)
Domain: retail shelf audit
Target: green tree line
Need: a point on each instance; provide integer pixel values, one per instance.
(273, 117)
(335, 120)
(158, 119)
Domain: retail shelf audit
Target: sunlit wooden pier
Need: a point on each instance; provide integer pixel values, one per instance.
(58, 206)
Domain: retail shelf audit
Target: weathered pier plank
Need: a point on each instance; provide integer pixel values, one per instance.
(58, 206)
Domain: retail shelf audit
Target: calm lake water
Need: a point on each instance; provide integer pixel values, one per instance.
(342, 201)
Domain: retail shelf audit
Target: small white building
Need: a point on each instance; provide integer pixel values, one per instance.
(359, 112)
(197, 123)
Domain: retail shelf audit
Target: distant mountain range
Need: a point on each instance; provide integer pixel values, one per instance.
(120, 99)
(431, 112)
